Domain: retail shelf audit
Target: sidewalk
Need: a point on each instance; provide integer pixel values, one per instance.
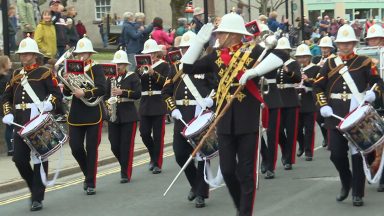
(11, 180)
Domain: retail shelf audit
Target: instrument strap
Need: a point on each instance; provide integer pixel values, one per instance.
(367, 172)
(30, 92)
(157, 63)
(349, 81)
(192, 88)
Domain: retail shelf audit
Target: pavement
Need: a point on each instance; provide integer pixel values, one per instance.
(10, 179)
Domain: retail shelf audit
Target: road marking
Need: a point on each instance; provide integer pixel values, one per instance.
(80, 180)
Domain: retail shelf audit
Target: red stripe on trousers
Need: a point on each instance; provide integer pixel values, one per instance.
(254, 172)
(160, 160)
(97, 150)
(314, 133)
(131, 149)
(295, 136)
(277, 137)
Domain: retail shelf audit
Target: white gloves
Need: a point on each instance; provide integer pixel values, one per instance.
(47, 106)
(197, 44)
(8, 119)
(370, 96)
(270, 63)
(176, 114)
(326, 111)
(208, 102)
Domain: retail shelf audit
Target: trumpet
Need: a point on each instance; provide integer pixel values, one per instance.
(73, 81)
(143, 69)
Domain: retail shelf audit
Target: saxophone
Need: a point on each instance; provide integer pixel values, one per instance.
(112, 102)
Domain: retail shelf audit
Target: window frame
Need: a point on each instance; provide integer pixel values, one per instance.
(104, 7)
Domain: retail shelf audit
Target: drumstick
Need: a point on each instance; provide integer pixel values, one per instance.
(338, 117)
(42, 111)
(209, 132)
(17, 125)
(363, 102)
(186, 125)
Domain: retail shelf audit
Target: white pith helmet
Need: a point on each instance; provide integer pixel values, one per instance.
(232, 23)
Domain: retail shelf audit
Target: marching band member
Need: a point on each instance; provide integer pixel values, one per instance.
(182, 104)
(125, 88)
(375, 37)
(237, 130)
(307, 117)
(152, 107)
(19, 106)
(287, 76)
(334, 95)
(86, 122)
(327, 48)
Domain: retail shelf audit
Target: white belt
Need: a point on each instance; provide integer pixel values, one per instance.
(150, 93)
(284, 86)
(24, 106)
(341, 96)
(269, 81)
(307, 89)
(122, 100)
(186, 102)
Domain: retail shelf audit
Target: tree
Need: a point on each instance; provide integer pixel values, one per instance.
(264, 6)
(177, 7)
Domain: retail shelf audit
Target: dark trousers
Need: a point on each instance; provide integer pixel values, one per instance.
(21, 157)
(339, 157)
(8, 135)
(320, 121)
(238, 156)
(153, 125)
(288, 134)
(86, 158)
(306, 132)
(269, 149)
(122, 139)
(195, 175)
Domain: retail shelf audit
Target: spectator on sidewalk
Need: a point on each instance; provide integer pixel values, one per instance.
(5, 76)
(27, 17)
(60, 25)
(12, 27)
(315, 34)
(80, 28)
(72, 35)
(333, 28)
(273, 25)
(131, 36)
(324, 25)
(159, 35)
(140, 22)
(103, 28)
(357, 28)
(182, 26)
(198, 19)
(45, 35)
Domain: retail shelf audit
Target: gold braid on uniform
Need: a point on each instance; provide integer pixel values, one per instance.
(7, 108)
(228, 74)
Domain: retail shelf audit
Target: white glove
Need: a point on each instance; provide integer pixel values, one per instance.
(208, 102)
(8, 119)
(270, 63)
(176, 114)
(370, 96)
(205, 33)
(326, 111)
(47, 106)
(197, 44)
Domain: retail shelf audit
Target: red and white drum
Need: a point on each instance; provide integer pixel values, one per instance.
(195, 131)
(364, 128)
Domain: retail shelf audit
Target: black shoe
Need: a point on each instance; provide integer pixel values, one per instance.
(36, 206)
(308, 158)
(357, 201)
(151, 166)
(263, 168)
(199, 202)
(85, 186)
(91, 191)
(10, 153)
(380, 188)
(124, 180)
(156, 170)
(287, 166)
(300, 152)
(325, 144)
(343, 194)
(269, 175)
(191, 195)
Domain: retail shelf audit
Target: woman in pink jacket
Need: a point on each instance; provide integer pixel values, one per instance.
(159, 35)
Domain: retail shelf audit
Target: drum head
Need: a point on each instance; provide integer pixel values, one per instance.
(33, 123)
(354, 117)
(198, 124)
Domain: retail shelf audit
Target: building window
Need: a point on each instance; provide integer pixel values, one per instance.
(349, 14)
(103, 7)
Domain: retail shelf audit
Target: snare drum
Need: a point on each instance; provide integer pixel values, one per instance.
(364, 128)
(195, 131)
(43, 135)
